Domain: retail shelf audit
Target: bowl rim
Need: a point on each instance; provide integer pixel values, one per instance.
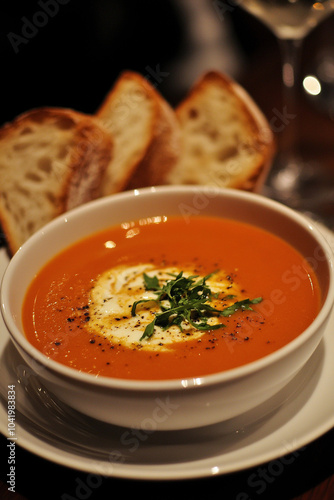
(139, 385)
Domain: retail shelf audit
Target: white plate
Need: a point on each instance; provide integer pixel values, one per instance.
(57, 433)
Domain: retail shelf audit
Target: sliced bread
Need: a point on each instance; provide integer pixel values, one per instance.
(145, 132)
(227, 141)
(51, 160)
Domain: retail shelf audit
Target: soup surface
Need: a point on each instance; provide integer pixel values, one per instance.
(163, 298)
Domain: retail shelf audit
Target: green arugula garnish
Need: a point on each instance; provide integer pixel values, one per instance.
(185, 299)
(241, 304)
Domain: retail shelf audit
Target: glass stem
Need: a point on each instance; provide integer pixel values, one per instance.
(285, 176)
(290, 53)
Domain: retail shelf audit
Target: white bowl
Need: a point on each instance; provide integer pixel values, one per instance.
(168, 404)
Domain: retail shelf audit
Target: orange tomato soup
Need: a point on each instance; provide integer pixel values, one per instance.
(56, 314)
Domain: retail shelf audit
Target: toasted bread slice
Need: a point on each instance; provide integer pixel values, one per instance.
(227, 141)
(51, 160)
(145, 131)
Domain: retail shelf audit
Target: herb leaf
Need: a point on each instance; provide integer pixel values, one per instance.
(135, 304)
(187, 301)
(151, 283)
(241, 304)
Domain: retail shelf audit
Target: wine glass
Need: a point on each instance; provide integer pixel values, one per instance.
(292, 180)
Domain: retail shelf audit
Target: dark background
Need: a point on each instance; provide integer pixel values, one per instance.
(69, 53)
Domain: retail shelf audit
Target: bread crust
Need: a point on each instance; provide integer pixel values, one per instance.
(105, 153)
(259, 137)
(88, 151)
(160, 143)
